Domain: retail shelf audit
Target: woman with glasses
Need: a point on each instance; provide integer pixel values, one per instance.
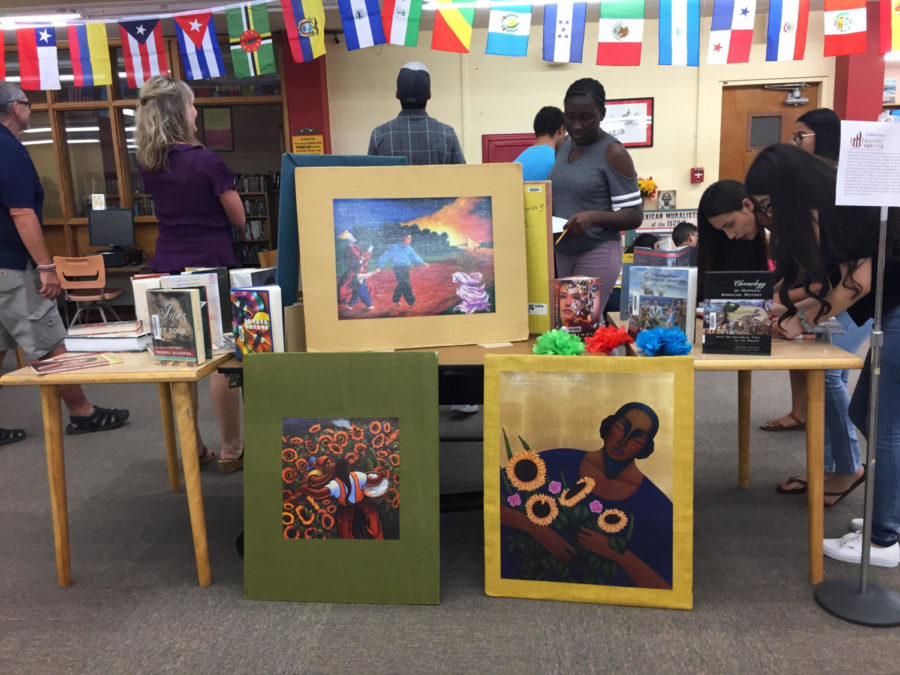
(829, 251)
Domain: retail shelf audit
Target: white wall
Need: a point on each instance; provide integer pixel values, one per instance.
(480, 94)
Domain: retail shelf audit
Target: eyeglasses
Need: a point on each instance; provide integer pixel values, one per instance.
(797, 138)
(27, 104)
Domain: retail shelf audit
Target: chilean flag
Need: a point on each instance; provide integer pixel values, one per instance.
(786, 32)
(199, 48)
(145, 53)
(38, 65)
(732, 31)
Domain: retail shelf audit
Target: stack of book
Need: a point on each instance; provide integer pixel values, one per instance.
(112, 336)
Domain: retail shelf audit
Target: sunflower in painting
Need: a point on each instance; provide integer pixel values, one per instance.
(526, 471)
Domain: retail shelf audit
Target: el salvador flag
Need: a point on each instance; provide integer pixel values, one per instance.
(564, 31)
(362, 23)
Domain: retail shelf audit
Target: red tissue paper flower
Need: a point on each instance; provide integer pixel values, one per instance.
(607, 338)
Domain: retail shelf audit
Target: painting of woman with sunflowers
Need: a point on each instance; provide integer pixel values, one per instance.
(340, 478)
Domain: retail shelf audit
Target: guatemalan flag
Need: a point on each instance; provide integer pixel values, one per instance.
(679, 32)
(361, 20)
(564, 31)
(786, 32)
(508, 31)
(38, 65)
(145, 53)
(731, 33)
(89, 49)
(199, 47)
(304, 22)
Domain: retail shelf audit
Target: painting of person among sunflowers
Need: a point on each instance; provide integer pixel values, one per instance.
(340, 478)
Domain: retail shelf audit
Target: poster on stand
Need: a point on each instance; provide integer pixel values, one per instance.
(588, 479)
(327, 517)
(412, 256)
(539, 246)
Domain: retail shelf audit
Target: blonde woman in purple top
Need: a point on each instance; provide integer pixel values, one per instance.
(196, 205)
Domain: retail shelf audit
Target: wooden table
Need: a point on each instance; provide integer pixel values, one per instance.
(814, 357)
(173, 385)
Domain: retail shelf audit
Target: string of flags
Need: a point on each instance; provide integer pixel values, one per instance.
(620, 34)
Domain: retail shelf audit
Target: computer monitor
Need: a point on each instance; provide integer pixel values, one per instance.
(111, 227)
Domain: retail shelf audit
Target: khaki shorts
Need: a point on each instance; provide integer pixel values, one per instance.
(26, 319)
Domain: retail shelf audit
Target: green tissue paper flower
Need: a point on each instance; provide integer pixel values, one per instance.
(560, 343)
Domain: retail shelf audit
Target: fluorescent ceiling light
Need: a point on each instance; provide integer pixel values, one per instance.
(892, 56)
(55, 19)
(45, 142)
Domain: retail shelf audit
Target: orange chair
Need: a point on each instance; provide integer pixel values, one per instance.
(268, 258)
(84, 281)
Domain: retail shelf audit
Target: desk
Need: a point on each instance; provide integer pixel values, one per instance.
(173, 385)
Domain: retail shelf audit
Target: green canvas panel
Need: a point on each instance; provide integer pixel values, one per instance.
(349, 386)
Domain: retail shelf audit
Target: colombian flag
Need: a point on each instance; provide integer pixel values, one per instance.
(90, 55)
(304, 21)
(452, 28)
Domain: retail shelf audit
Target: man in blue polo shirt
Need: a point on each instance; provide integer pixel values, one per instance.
(28, 282)
(401, 256)
(549, 127)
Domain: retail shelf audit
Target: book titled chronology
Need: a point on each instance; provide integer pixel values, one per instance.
(736, 310)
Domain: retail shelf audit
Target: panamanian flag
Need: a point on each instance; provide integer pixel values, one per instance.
(361, 20)
(38, 65)
(144, 50)
(786, 32)
(731, 33)
(199, 47)
(679, 32)
(401, 21)
(564, 31)
(508, 31)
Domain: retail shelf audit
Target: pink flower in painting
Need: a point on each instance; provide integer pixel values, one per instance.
(471, 291)
(596, 507)
(555, 487)
(514, 500)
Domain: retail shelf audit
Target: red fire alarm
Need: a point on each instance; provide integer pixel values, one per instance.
(697, 174)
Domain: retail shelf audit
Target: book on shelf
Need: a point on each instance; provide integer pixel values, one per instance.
(252, 276)
(210, 282)
(125, 341)
(662, 297)
(66, 362)
(578, 305)
(180, 324)
(105, 328)
(654, 257)
(258, 319)
(736, 310)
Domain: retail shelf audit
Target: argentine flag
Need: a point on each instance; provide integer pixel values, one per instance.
(362, 24)
(508, 31)
(564, 31)
(679, 32)
(198, 46)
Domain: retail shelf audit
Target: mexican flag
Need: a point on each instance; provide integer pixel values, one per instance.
(401, 21)
(452, 27)
(621, 32)
(251, 40)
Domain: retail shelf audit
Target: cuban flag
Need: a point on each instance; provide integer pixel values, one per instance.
(199, 47)
(90, 55)
(731, 33)
(38, 65)
(144, 50)
(679, 32)
(564, 31)
(362, 23)
(786, 32)
(508, 31)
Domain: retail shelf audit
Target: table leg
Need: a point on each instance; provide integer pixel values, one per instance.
(815, 468)
(184, 415)
(164, 391)
(744, 391)
(56, 475)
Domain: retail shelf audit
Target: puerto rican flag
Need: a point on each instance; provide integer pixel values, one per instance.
(786, 32)
(845, 27)
(38, 64)
(564, 31)
(732, 31)
(145, 53)
(199, 47)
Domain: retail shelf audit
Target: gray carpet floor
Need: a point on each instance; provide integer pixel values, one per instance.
(135, 606)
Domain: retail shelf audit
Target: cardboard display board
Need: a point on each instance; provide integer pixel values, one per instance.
(327, 517)
(588, 479)
(419, 256)
(539, 247)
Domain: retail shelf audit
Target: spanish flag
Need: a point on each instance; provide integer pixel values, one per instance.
(90, 55)
(453, 27)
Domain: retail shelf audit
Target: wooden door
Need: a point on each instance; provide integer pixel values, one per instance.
(504, 147)
(752, 118)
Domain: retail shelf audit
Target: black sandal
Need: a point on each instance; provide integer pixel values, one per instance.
(102, 419)
(8, 436)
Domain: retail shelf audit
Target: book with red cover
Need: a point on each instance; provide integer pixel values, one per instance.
(578, 305)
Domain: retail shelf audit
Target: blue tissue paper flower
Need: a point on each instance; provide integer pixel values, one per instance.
(663, 342)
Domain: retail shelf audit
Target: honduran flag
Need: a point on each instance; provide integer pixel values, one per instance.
(845, 27)
(361, 20)
(731, 33)
(890, 26)
(621, 33)
(304, 21)
(452, 27)
(786, 31)
(38, 65)
(508, 31)
(144, 50)
(89, 49)
(679, 32)
(564, 31)
(199, 47)
(401, 21)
